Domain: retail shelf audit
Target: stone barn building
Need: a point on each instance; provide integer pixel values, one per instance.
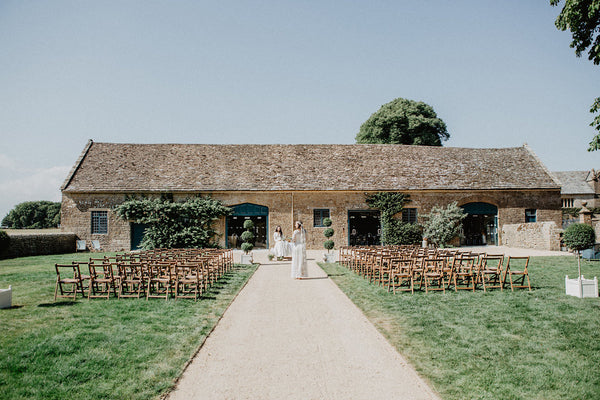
(502, 190)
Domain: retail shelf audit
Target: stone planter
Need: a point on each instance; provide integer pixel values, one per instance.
(329, 257)
(590, 287)
(246, 259)
(6, 297)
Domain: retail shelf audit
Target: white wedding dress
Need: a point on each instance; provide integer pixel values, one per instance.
(299, 269)
(281, 248)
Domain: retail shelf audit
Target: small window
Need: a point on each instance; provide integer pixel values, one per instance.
(531, 215)
(319, 214)
(100, 222)
(567, 203)
(409, 215)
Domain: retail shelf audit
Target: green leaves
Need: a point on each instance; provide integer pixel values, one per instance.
(579, 237)
(595, 143)
(175, 224)
(33, 215)
(443, 224)
(403, 121)
(582, 18)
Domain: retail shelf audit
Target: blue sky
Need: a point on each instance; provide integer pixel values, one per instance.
(498, 73)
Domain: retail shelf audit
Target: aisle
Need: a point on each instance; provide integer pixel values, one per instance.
(288, 339)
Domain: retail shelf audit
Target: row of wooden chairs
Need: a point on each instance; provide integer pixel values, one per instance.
(410, 268)
(159, 273)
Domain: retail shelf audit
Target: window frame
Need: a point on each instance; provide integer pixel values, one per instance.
(321, 217)
(408, 217)
(96, 219)
(530, 215)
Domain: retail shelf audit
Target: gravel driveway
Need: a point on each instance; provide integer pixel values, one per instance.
(288, 339)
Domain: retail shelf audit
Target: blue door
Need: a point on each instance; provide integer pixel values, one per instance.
(137, 235)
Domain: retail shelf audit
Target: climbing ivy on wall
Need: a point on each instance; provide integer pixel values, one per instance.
(175, 224)
(394, 231)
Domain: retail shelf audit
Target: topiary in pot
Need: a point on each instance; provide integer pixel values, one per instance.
(328, 233)
(579, 237)
(248, 236)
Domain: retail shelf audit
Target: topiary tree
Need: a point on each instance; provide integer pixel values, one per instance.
(328, 233)
(443, 224)
(248, 236)
(579, 237)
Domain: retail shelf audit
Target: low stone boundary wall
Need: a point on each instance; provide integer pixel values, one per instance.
(23, 245)
(532, 235)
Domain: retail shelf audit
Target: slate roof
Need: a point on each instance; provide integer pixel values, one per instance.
(574, 182)
(118, 167)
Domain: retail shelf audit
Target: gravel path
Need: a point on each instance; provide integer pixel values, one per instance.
(288, 339)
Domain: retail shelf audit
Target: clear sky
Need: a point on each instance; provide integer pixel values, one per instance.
(497, 72)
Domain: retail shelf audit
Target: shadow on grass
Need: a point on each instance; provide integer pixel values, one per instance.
(13, 308)
(59, 304)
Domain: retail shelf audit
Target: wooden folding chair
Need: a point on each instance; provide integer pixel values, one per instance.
(189, 281)
(489, 272)
(131, 279)
(158, 281)
(68, 281)
(464, 274)
(102, 281)
(401, 276)
(434, 275)
(517, 277)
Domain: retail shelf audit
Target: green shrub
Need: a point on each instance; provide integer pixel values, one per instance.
(579, 237)
(399, 232)
(443, 224)
(177, 224)
(247, 236)
(328, 232)
(247, 247)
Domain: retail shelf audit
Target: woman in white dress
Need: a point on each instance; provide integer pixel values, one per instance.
(280, 248)
(299, 269)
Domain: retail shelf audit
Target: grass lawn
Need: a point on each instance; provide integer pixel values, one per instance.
(99, 349)
(541, 344)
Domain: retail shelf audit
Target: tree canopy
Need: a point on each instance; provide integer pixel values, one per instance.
(403, 121)
(582, 18)
(33, 215)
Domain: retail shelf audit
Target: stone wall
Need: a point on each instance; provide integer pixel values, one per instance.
(534, 235)
(287, 207)
(24, 245)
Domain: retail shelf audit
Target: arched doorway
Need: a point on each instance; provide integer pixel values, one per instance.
(480, 227)
(234, 225)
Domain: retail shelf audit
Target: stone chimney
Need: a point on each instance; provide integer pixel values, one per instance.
(585, 215)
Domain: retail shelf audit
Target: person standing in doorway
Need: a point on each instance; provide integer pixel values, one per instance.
(299, 269)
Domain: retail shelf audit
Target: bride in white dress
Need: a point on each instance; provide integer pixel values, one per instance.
(281, 246)
(299, 269)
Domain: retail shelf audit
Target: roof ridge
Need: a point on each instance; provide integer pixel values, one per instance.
(71, 174)
(537, 159)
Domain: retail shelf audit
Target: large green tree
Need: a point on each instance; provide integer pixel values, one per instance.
(403, 121)
(582, 18)
(33, 215)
